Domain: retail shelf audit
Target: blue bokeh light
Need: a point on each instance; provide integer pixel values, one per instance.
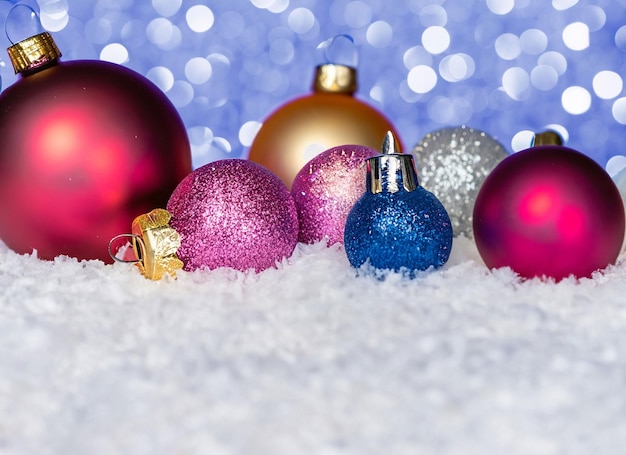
(506, 67)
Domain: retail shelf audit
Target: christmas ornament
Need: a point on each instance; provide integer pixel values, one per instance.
(86, 146)
(330, 116)
(154, 244)
(229, 213)
(325, 190)
(549, 211)
(453, 164)
(397, 225)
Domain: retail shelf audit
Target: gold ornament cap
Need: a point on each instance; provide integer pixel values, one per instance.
(333, 78)
(390, 171)
(547, 138)
(155, 244)
(34, 52)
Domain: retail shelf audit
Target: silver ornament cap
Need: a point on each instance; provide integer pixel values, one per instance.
(391, 171)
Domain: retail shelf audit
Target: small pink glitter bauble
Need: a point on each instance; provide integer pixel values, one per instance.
(233, 213)
(325, 190)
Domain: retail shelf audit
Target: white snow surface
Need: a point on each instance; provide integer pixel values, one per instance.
(309, 358)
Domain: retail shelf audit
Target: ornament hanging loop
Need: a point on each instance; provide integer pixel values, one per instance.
(22, 22)
(135, 240)
(338, 50)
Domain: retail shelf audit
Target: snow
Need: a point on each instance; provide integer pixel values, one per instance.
(309, 359)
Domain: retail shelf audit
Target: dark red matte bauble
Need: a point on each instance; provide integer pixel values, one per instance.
(86, 146)
(549, 211)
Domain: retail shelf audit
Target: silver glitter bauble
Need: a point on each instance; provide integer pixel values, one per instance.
(452, 164)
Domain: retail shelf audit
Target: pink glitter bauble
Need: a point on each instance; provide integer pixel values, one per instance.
(549, 211)
(325, 190)
(233, 213)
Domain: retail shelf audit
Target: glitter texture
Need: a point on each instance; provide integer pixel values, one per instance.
(233, 213)
(453, 163)
(403, 231)
(326, 189)
(549, 211)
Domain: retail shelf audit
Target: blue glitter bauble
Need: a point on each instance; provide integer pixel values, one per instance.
(402, 231)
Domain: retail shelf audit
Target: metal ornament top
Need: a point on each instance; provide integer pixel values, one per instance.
(332, 78)
(391, 171)
(35, 52)
(155, 244)
(547, 138)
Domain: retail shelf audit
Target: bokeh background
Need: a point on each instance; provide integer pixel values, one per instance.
(508, 67)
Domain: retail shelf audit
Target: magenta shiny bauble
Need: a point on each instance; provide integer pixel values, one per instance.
(86, 146)
(326, 189)
(549, 211)
(233, 213)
